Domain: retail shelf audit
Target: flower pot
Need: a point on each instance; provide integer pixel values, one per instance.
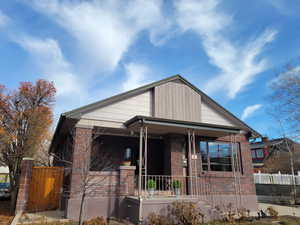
(151, 192)
(126, 163)
(177, 192)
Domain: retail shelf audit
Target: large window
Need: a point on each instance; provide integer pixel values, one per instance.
(217, 156)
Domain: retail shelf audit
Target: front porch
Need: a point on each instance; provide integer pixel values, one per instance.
(167, 163)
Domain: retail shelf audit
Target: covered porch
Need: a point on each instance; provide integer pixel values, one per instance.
(167, 159)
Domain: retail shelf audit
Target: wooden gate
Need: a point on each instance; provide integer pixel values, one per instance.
(45, 188)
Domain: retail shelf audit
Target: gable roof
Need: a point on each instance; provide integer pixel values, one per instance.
(76, 113)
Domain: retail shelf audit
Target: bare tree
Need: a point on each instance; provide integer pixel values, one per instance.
(285, 100)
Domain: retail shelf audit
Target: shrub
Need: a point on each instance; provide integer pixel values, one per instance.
(243, 213)
(178, 213)
(176, 184)
(272, 212)
(227, 211)
(154, 219)
(185, 213)
(151, 184)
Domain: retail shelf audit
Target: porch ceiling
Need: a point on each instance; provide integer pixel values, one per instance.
(165, 126)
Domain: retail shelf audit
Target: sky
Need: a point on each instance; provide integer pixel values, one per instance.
(93, 49)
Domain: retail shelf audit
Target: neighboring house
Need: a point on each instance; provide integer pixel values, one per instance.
(273, 155)
(189, 148)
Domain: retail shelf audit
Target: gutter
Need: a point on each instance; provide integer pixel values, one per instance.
(174, 123)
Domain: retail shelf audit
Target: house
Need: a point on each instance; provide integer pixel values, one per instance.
(168, 141)
(267, 153)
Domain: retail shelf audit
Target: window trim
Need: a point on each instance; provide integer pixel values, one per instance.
(208, 164)
(255, 150)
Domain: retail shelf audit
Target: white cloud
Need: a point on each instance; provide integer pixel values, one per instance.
(249, 110)
(47, 55)
(135, 75)
(106, 29)
(3, 19)
(50, 60)
(238, 64)
(286, 8)
(285, 75)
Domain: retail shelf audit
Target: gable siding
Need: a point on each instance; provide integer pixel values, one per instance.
(176, 100)
(123, 110)
(212, 116)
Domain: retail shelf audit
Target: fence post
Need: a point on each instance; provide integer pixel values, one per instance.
(259, 177)
(25, 178)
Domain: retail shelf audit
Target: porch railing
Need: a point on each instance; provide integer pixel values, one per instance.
(173, 186)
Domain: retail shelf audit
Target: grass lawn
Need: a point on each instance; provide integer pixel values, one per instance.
(5, 217)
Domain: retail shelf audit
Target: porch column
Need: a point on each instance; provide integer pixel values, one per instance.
(173, 155)
(82, 144)
(140, 161)
(190, 163)
(127, 180)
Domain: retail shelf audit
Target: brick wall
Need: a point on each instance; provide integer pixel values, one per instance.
(218, 182)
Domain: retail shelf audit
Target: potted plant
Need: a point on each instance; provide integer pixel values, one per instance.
(127, 157)
(151, 185)
(177, 186)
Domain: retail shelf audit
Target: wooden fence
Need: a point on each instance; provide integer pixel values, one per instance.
(45, 188)
(277, 178)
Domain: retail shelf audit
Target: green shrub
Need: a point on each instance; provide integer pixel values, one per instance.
(151, 183)
(176, 184)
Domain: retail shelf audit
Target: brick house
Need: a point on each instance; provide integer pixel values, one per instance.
(274, 149)
(168, 136)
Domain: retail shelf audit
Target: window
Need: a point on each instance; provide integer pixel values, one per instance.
(217, 156)
(258, 153)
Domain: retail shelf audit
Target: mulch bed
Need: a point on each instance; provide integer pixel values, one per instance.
(5, 217)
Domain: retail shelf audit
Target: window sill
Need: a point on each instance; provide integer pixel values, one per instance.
(219, 174)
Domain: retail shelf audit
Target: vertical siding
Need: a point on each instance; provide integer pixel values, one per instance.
(175, 100)
(124, 110)
(211, 115)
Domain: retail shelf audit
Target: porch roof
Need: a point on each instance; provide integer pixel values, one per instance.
(162, 126)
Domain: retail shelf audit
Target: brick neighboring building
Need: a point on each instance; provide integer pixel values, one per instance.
(164, 132)
(274, 149)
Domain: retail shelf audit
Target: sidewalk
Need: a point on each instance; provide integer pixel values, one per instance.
(282, 210)
(47, 216)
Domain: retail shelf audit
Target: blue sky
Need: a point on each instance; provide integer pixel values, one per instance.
(93, 49)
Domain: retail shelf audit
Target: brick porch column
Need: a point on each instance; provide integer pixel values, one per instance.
(173, 155)
(25, 178)
(81, 158)
(127, 185)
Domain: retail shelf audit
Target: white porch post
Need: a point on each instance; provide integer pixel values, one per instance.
(146, 152)
(140, 161)
(190, 163)
(195, 162)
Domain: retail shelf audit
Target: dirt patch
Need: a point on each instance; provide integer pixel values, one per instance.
(5, 217)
